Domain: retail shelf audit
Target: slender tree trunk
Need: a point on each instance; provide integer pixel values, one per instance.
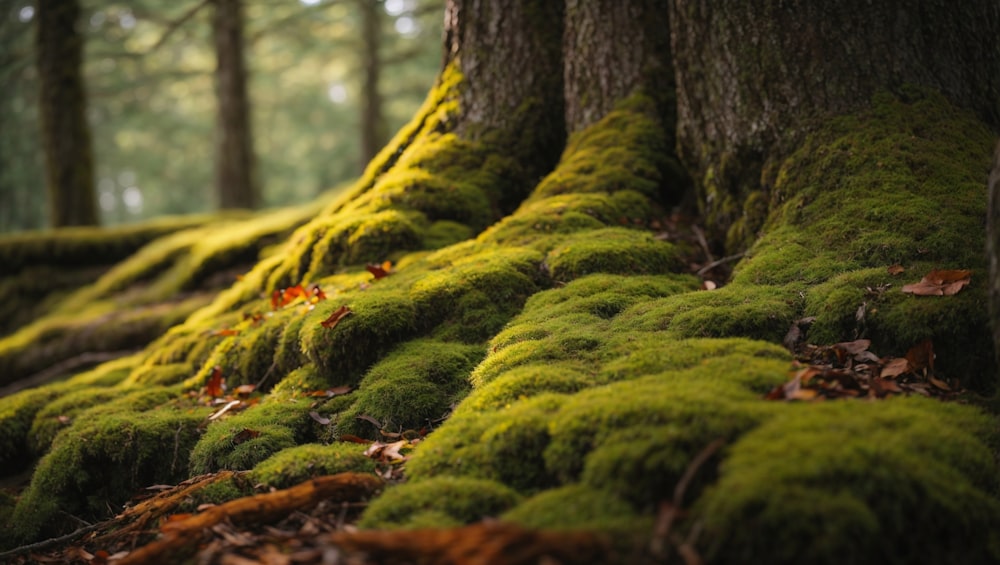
(752, 77)
(69, 161)
(234, 160)
(372, 121)
(993, 249)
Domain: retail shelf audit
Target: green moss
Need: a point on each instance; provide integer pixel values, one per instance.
(613, 251)
(452, 500)
(103, 458)
(242, 441)
(904, 481)
(218, 492)
(292, 466)
(579, 507)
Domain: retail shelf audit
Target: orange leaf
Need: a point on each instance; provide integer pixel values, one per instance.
(380, 271)
(216, 384)
(275, 299)
(335, 317)
(317, 293)
(895, 269)
(940, 283)
(226, 331)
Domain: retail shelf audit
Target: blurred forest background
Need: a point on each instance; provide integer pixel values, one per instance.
(321, 72)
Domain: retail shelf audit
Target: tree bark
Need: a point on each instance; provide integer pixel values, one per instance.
(993, 248)
(516, 44)
(69, 161)
(752, 78)
(372, 121)
(234, 159)
(611, 48)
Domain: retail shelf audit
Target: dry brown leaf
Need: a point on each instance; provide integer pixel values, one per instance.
(921, 356)
(940, 283)
(854, 347)
(895, 269)
(335, 318)
(894, 368)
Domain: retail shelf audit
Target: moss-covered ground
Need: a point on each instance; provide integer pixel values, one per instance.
(561, 365)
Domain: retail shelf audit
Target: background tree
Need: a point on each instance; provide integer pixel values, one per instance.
(69, 161)
(234, 158)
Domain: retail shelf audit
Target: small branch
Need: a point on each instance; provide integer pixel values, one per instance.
(718, 262)
(702, 242)
(45, 544)
(669, 511)
(175, 24)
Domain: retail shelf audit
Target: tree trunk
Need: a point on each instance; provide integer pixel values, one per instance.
(372, 121)
(516, 44)
(993, 248)
(234, 159)
(69, 166)
(610, 49)
(754, 77)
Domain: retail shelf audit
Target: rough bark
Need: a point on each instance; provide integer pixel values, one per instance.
(610, 48)
(753, 76)
(372, 121)
(993, 248)
(69, 162)
(512, 43)
(234, 159)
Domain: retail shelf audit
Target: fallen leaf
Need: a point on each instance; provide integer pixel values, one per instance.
(216, 384)
(317, 293)
(224, 409)
(894, 368)
(921, 356)
(226, 332)
(353, 438)
(321, 419)
(379, 271)
(939, 383)
(854, 347)
(244, 389)
(940, 283)
(245, 434)
(331, 392)
(335, 317)
(275, 299)
(895, 269)
(370, 420)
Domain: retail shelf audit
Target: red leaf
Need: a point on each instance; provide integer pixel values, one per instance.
(940, 283)
(275, 299)
(317, 293)
(216, 384)
(380, 271)
(335, 317)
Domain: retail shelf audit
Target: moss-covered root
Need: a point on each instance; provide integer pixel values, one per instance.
(103, 458)
(905, 481)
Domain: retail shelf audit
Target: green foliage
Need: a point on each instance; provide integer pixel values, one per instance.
(439, 502)
(291, 466)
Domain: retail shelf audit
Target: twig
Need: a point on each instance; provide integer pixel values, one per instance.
(52, 541)
(670, 510)
(702, 241)
(718, 262)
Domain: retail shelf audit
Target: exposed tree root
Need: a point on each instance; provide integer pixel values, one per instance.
(182, 537)
(479, 544)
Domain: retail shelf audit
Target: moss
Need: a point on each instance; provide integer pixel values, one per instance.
(218, 492)
(411, 386)
(613, 251)
(904, 481)
(103, 459)
(452, 500)
(579, 507)
(294, 465)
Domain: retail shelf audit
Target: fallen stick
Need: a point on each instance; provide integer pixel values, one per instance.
(183, 536)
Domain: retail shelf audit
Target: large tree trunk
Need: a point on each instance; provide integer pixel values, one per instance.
(611, 49)
(754, 77)
(372, 121)
(234, 159)
(69, 162)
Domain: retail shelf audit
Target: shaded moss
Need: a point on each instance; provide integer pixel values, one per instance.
(903, 481)
(452, 500)
(579, 507)
(242, 441)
